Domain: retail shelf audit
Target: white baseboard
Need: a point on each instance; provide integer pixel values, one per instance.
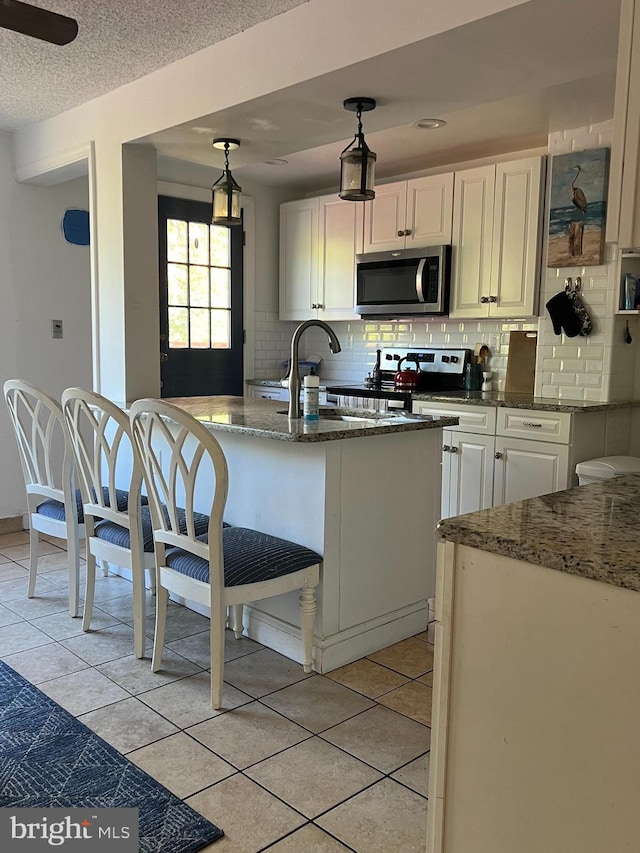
(431, 603)
(341, 648)
(13, 524)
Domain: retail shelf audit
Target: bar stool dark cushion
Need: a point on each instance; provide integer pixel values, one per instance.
(117, 535)
(249, 556)
(55, 509)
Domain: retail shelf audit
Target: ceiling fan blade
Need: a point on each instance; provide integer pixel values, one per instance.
(36, 22)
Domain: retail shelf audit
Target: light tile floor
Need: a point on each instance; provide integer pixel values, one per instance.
(292, 763)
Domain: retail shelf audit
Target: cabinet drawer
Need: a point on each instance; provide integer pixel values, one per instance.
(266, 393)
(535, 425)
(478, 419)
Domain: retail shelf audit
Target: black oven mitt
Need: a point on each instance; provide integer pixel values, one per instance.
(563, 315)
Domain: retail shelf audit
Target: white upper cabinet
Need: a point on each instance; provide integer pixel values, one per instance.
(319, 239)
(340, 226)
(410, 213)
(298, 259)
(496, 239)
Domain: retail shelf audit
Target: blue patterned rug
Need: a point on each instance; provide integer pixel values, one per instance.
(50, 759)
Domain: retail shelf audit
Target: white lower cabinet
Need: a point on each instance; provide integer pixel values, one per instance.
(525, 469)
(467, 467)
(500, 455)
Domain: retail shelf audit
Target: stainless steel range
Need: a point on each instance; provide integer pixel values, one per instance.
(442, 369)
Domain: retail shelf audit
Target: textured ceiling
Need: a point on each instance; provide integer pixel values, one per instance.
(118, 41)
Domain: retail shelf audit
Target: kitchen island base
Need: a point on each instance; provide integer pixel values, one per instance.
(370, 507)
(534, 744)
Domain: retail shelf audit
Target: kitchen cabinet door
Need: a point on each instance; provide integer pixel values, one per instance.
(385, 217)
(319, 238)
(429, 211)
(516, 239)
(467, 472)
(472, 237)
(340, 239)
(410, 214)
(525, 469)
(496, 240)
(298, 259)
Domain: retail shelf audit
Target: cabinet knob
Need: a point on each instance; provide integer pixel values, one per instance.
(493, 299)
(484, 299)
(454, 449)
(407, 232)
(497, 455)
(446, 448)
(319, 305)
(400, 233)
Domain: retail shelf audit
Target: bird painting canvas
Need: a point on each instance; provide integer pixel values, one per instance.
(577, 208)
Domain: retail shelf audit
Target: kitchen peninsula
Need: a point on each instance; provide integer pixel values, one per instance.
(536, 687)
(363, 493)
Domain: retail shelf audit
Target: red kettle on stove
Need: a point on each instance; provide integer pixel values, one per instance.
(407, 380)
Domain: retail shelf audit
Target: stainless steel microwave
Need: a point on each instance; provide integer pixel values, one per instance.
(403, 282)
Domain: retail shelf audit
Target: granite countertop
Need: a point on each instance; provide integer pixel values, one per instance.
(592, 531)
(501, 399)
(498, 399)
(268, 419)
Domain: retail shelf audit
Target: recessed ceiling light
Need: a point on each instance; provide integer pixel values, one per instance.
(429, 123)
(207, 130)
(277, 161)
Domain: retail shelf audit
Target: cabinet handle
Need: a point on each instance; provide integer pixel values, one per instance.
(484, 299)
(497, 455)
(531, 424)
(493, 299)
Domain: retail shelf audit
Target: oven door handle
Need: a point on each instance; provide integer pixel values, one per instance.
(419, 280)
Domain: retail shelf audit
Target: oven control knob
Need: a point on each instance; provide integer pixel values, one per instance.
(445, 359)
(453, 359)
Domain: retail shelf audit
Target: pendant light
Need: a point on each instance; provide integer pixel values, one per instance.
(357, 161)
(226, 192)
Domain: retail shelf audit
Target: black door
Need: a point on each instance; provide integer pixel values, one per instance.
(201, 336)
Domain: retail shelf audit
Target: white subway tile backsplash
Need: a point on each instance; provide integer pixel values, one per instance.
(588, 380)
(572, 365)
(568, 379)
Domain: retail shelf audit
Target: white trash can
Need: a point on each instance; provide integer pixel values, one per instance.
(598, 470)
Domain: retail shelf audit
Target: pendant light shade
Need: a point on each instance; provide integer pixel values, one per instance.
(225, 191)
(357, 161)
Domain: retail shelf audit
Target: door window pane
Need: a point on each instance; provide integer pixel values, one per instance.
(221, 329)
(198, 243)
(199, 286)
(178, 328)
(176, 240)
(220, 246)
(178, 292)
(220, 288)
(199, 319)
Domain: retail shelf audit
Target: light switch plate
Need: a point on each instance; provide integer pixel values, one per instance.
(56, 328)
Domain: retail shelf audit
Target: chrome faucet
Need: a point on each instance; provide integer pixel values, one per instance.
(294, 371)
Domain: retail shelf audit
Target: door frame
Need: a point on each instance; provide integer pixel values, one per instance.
(175, 190)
